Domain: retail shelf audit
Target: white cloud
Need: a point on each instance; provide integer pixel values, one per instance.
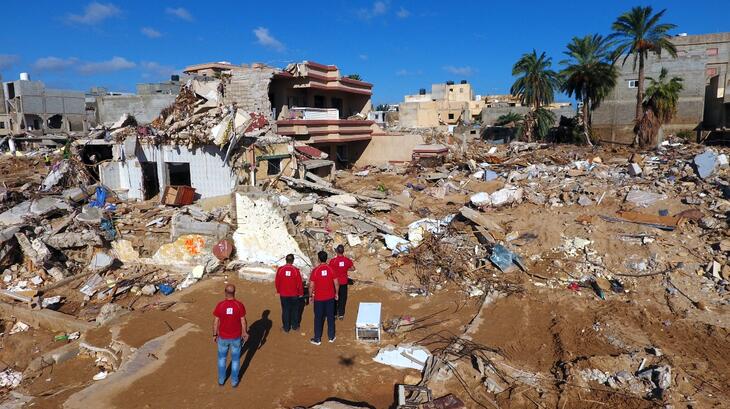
(94, 13)
(406, 73)
(179, 12)
(54, 63)
(378, 9)
(115, 64)
(8, 60)
(264, 38)
(402, 13)
(153, 69)
(465, 71)
(150, 32)
(363, 57)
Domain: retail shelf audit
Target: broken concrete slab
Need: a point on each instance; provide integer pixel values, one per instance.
(183, 224)
(90, 215)
(299, 206)
(705, 163)
(15, 215)
(319, 212)
(47, 205)
(343, 210)
(481, 219)
(403, 356)
(643, 198)
(344, 199)
(69, 240)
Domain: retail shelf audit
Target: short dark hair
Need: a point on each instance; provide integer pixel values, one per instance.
(340, 249)
(290, 258)
(322, 256)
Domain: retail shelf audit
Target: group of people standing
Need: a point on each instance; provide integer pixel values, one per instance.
(328, 287)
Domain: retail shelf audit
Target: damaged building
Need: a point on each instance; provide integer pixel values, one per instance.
(32, 108)
(703, 107)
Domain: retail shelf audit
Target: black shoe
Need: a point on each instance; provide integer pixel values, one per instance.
(315, 342)
(234, 385)
(341, 317)
(295, 329)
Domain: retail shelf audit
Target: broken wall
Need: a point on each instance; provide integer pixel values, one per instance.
(263, 238)
(144, 108)
(385, 148)
(209, 174)
(249, 88)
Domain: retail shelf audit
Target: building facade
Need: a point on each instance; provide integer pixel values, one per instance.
(32, 108)
(704, 105)
(446, 105)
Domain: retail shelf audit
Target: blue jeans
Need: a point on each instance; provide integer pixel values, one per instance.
(223, 346)
(322, 310)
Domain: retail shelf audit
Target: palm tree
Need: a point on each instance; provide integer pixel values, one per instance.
(660, 106)
(589, 74)
(638, 33)
(536, 83)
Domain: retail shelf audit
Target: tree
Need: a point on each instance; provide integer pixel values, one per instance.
(660, 106)
(639, 32)
(508, 118)
(354, 77)
(589, 75)
(535, 84)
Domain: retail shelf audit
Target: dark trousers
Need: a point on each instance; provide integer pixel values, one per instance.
(322, 310)
(341, 300)
(290, 317)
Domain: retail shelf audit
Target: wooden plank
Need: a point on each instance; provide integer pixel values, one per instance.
(481, 219)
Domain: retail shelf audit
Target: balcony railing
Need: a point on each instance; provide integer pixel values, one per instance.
(314, 113)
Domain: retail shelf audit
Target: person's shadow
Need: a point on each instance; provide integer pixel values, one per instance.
(257, 334)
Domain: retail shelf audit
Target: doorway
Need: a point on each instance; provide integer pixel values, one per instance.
(150, 182)
(178, 173)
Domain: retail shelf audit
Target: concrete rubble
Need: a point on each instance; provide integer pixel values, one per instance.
(529, 221)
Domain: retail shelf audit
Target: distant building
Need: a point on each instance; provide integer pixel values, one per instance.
(4, 117)
(446, 105)
(145, 106)
(30, 107)
(704, 103)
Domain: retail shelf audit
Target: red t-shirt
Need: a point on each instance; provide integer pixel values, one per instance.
(323, 278)
(341, 265)
(289, 281)
(230, 312)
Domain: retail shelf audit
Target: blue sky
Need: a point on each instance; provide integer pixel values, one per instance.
(398, 45)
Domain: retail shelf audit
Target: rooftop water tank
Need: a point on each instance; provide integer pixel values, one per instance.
(24, 76)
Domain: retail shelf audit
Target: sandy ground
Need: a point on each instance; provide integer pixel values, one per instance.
(286, 370)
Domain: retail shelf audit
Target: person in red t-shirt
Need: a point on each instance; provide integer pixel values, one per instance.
(290, 288)
(229, 327)
(341, 265)
(323, 288)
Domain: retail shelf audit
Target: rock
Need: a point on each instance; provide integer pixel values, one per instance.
(107, 313)
(709, 223)
(149, 290)
(319, 212)
(584, 201)
(505, 196)
(480, 199)
(436, 176)
(344, 199)
(101, 262)
(634, 169)
(705, 163)
(56, 272)
(725, 272)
